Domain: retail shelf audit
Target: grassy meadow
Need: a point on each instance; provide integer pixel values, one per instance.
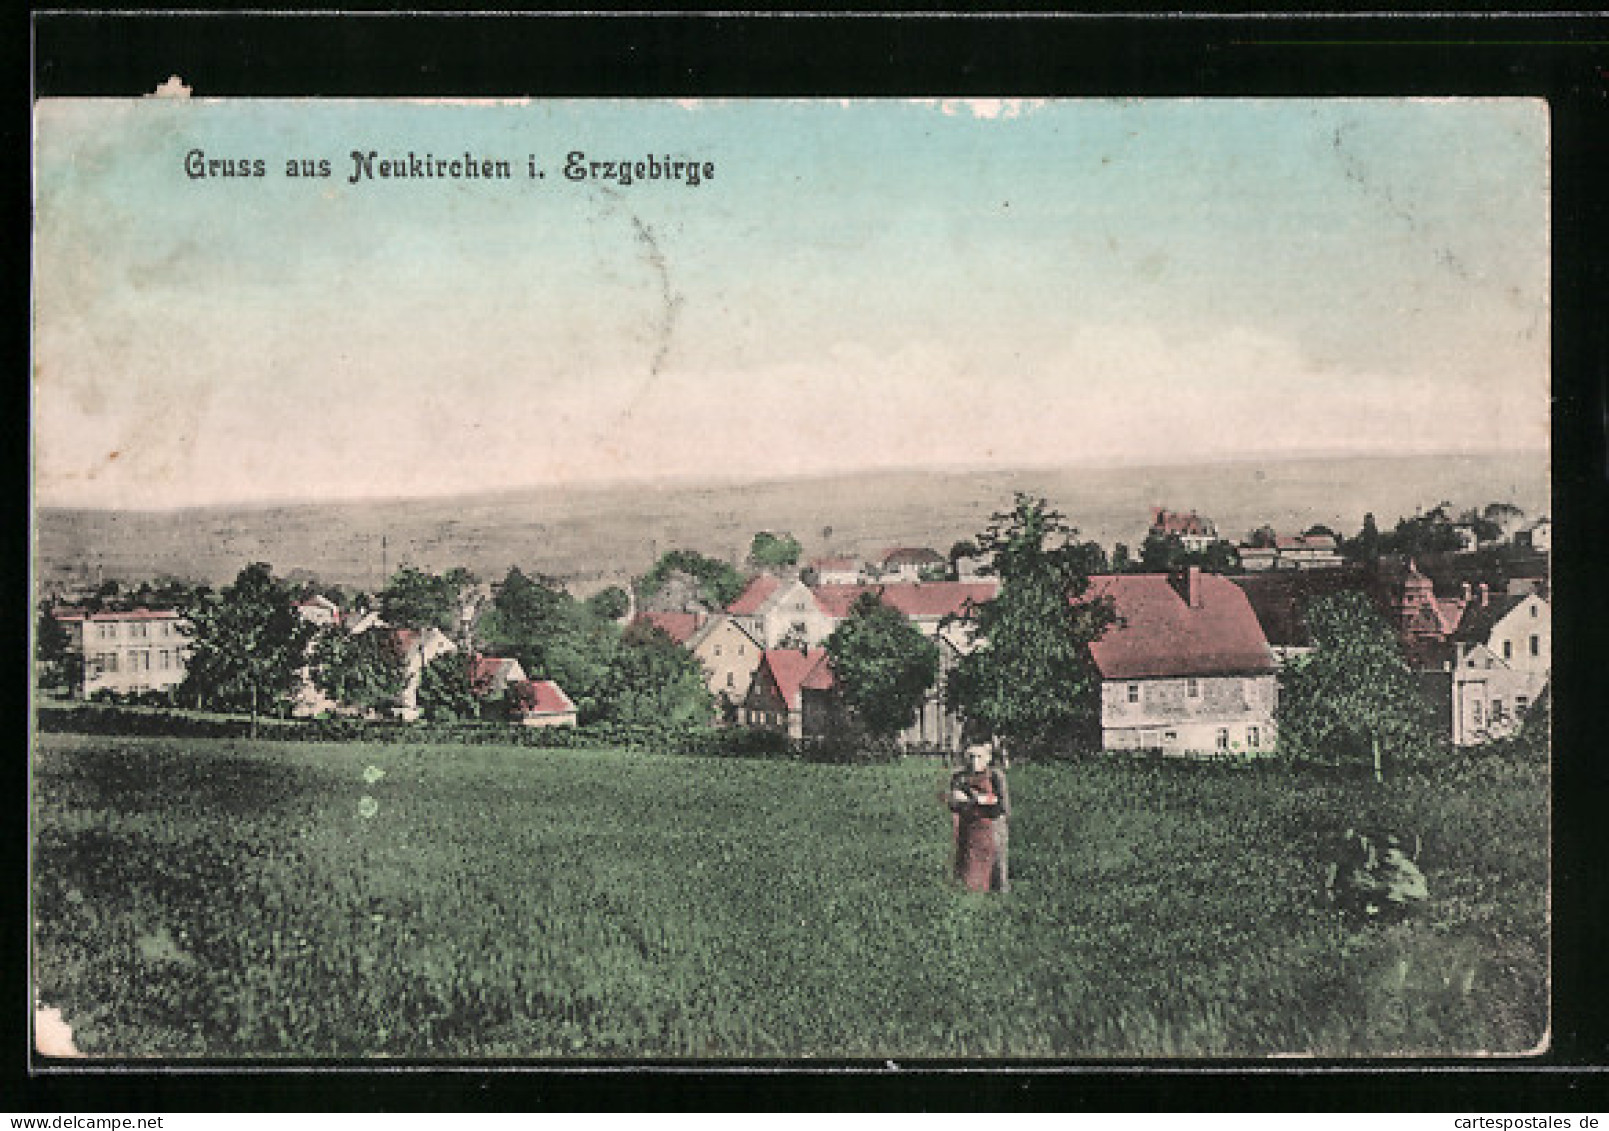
(234, 899)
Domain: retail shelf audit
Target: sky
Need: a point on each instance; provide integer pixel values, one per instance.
(860, 284)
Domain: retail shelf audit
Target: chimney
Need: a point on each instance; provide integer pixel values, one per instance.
(1463, 592)
(1187, 583)
(1485, 594)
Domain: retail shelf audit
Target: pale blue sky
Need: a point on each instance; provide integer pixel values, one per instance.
(868, 284)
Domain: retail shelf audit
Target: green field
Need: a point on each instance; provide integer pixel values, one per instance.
(224, 899)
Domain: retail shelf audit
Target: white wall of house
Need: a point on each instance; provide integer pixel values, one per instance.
(130, 654)
(1190, 715)
(793, 607)
(729, 656)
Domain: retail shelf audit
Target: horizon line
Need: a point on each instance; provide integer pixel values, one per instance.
(695, 480)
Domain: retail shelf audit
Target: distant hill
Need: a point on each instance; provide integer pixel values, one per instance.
(595, 536)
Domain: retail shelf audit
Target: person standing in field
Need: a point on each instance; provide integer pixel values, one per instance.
(980, 804)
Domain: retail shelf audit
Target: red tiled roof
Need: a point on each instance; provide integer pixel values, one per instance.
(923, 599)
(539, 697)
(750, 600)
(678, 626)
(1159, 635)
(792, 669)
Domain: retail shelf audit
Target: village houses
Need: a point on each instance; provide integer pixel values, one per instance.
(1185, 668)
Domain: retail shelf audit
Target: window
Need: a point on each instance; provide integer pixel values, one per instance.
(139, 661)
(1170, 736)
(1521, 702)
(1536, 645)
(164, 659)
(1476, 711)
(731, 680)
(1533, 612)
(137, 630)
(164, 629)
(1192, 688)
(740, 649)
(717, 649)
(1508, 649)
(106, 631)
(1254, 737)
(108, 661)
(1497, 710)
(1134, 693)
(1223, 738)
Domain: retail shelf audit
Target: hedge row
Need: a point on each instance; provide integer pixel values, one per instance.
(729, 742)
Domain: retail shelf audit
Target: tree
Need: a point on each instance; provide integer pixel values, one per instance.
(652, 680)
(717, 583)
(1121, 562)
(883, 665)
(416, 599)
(535, 620)
(59, 663)
(357, 671)
(248, 646)
(769, 550)
(1353, 695)
(610, 604)
(1027, 678)
(1366, 546)
(447, 689)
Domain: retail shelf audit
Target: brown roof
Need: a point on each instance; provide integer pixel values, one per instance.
(1280, 599)
(912, 555)
(1479, 620)
(1159, 634)
(919, 599)
(129, 614)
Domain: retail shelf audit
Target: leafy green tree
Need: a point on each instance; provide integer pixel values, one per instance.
(416, 599)
(58, 663)
(609, 604)
(1353, 696)
(447, 689)
(652, 680)
(538, 622)
(1027, 678)
(768, 551)
(1428, 533)
(883, 665)
(718, 583)
(248, 645)
(357, 671)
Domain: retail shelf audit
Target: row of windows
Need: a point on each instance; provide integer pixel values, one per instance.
(1254, 737)
(108, 662)
(1192, 690)
(137, 630)
(1498, 713)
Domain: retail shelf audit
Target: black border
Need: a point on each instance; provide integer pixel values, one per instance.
(1563, 58)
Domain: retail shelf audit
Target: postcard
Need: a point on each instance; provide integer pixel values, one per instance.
(768, 581)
